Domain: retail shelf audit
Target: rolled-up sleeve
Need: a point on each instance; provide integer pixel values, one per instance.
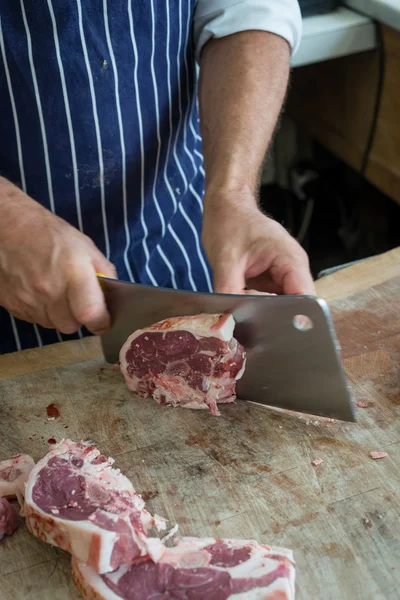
(219, 18)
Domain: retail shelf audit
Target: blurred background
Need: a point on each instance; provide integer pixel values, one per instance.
(332, 175)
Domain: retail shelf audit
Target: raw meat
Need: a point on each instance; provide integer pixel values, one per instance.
(188, 361)
(77, 501)
(197, 569)
(317, 461)
(13, 476)
(8, 518)
(376, 454)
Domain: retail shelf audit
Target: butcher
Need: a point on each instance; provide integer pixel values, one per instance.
(115, 157)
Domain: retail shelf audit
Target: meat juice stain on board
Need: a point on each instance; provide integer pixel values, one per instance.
(148, 495)
(52, 411)
(52, 441)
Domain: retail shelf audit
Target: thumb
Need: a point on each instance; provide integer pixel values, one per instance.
(229, 278)
(86, 301)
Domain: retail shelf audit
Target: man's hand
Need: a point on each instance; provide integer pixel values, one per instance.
(248, 249)
(243, 81)
(48, 268)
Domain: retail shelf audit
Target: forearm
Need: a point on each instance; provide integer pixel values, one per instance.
(243, 81)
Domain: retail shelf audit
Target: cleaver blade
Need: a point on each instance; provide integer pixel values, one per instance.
(289, 365)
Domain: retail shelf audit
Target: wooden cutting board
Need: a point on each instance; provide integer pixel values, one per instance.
(246, 474)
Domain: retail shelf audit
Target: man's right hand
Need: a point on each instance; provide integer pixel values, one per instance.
(48, 268)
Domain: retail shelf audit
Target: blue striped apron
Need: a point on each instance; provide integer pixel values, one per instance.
(99, 123)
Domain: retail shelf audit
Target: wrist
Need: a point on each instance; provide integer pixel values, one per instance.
(12, 197)
(230, 196)
(230, 174)
(16, 208)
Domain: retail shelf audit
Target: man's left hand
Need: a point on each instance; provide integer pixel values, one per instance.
(247, 249)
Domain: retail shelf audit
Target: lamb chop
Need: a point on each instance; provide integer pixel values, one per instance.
(75, 500)
(8, 518)
(197, 569)
(190, 361)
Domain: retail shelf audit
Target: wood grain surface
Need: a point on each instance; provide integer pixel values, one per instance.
(246, 474)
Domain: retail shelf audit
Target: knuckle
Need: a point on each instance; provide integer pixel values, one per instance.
(89, 314)
(109, 269)
(302, 256)
(43, 287)
(88, 240)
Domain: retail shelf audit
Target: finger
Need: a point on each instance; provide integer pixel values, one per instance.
(104, 266)
(258, 293)
(298, 281)
(228, 278)
(61, 316)
(86, 301)
(263, 283)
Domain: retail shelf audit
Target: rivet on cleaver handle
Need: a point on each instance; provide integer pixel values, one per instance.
(286, 367)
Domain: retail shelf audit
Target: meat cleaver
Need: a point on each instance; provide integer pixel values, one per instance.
(292, 363)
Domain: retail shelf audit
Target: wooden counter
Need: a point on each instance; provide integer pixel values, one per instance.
(245, 474)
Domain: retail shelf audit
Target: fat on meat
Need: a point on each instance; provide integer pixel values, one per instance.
(14, 473)
(197, 569)
(192, 361)
(77, 501)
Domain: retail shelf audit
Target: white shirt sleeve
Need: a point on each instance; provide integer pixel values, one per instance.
(219, 18)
